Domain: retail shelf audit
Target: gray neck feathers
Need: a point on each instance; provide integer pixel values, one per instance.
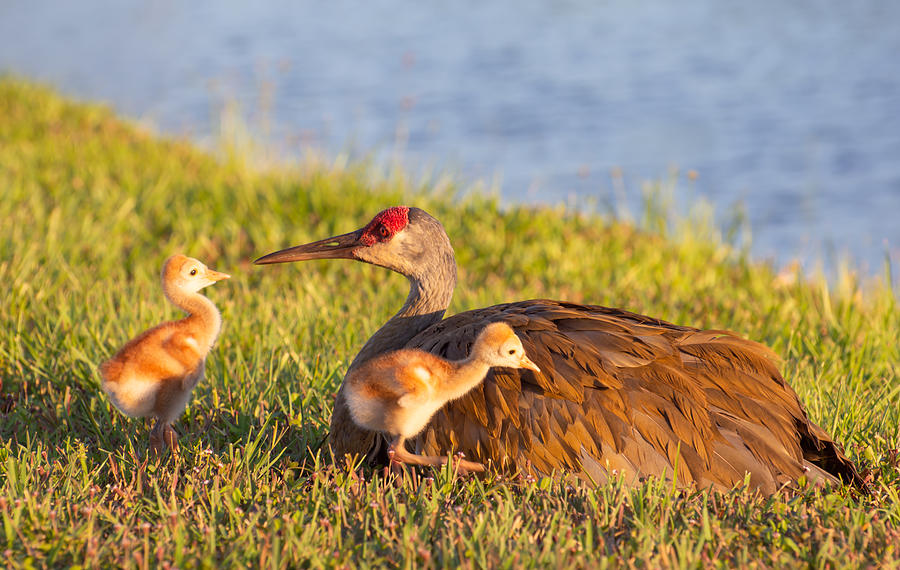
(431, 287)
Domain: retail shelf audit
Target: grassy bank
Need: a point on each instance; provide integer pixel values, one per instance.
(90, 208)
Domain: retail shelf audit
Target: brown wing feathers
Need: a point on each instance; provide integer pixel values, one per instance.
(631, 394)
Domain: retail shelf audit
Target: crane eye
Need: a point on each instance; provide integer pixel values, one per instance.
(383, 231)
(193, 271)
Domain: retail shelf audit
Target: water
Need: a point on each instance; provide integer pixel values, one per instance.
(792, 108)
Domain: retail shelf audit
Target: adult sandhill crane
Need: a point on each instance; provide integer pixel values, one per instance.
(618, 394)
(154, 373)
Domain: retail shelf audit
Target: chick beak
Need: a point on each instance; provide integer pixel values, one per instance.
(216, 276)
(527, 363)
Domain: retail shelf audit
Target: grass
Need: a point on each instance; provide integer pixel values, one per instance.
(92, 205)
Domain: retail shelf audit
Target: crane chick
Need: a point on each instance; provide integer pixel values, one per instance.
(154, 373)
(397, 393)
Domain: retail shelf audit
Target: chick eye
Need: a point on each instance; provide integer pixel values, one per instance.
(193, 271)
(512, 350)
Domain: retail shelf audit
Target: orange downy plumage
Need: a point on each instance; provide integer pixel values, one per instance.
(398, 392)
(154, 373)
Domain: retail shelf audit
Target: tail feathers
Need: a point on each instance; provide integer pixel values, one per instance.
(820, 451)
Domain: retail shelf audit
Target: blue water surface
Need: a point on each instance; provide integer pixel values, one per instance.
(791, 108)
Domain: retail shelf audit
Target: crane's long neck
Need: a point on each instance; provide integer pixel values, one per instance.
(203, 316)
(429, 296)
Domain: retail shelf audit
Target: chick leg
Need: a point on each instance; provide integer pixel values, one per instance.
(171, 437)
(397, 453)
(162, 436)
(157, 437)
(464, 466)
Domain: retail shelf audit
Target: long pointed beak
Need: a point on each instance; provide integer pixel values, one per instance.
(216, 275)
(527, 363)
(337, 247)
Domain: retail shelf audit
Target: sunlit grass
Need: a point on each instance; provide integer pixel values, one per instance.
(91, 207)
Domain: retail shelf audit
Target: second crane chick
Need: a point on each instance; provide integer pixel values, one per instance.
(154, 373)
(397, 393)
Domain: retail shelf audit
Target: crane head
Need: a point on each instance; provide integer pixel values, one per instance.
(399, 238)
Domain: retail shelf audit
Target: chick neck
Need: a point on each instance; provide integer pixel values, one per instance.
(468, 373)
(202, 313)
